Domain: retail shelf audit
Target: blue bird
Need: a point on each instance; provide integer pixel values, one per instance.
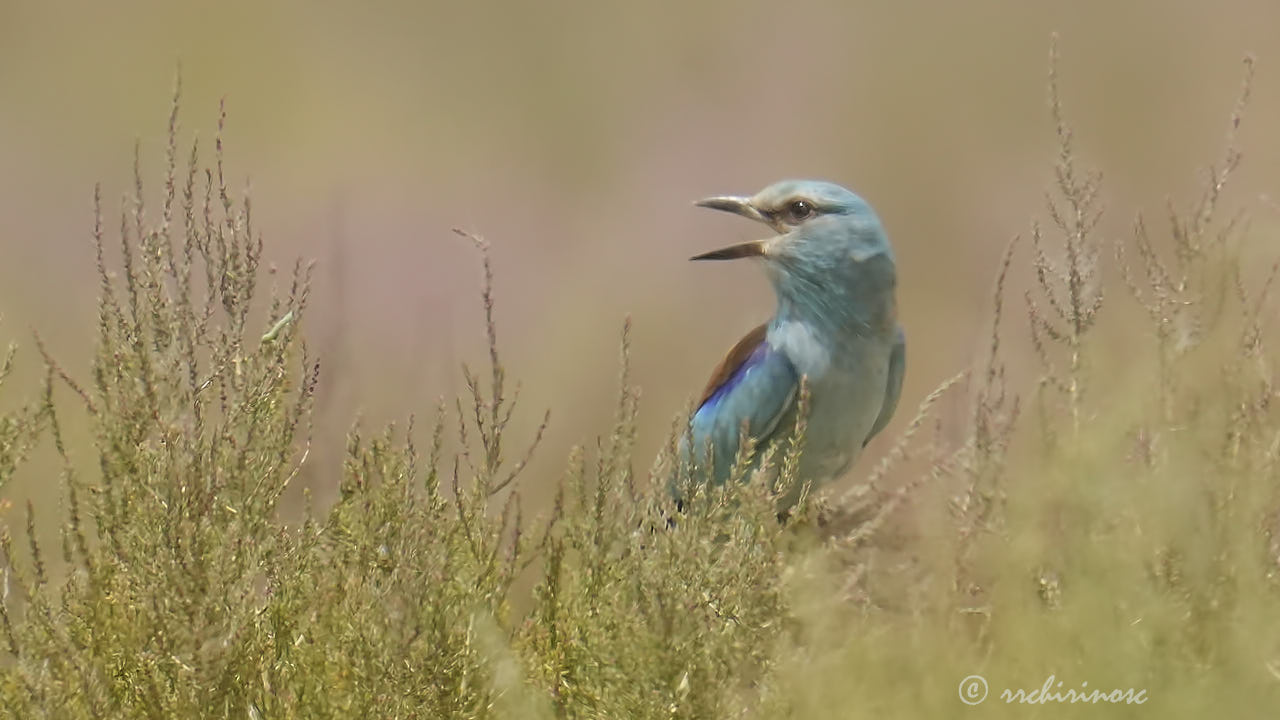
(836, 326)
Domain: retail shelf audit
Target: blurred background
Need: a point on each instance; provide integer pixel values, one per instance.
(574, 136)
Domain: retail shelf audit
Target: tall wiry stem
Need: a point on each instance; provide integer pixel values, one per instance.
(1071, 284)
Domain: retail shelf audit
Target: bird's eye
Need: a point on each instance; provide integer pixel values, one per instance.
(799, 210)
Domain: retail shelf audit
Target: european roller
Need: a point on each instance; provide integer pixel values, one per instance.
(836, 326)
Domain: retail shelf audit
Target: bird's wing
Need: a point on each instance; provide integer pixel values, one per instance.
(732, 362)
(754, 383)
(893, 387)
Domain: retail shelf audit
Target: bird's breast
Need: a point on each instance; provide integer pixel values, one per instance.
(810, 355)
(846, 379)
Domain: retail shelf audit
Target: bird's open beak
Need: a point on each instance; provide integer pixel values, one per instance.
(738, 206)
(755, 248)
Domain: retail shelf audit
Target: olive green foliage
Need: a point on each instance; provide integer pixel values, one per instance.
(1113, 524)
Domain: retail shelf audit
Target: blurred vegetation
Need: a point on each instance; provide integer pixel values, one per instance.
(1112, 524)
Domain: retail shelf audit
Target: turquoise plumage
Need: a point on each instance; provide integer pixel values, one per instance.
(836, 326)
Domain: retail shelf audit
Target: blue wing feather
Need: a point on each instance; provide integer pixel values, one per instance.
(893, 388)
(759, 390)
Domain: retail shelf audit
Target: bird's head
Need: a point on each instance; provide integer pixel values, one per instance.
(826, 237)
